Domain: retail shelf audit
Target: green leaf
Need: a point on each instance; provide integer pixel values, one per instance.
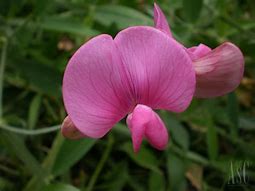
(50, 78)
(115, 179)
(233, 114)
(3, 57)
(192, 9)
(6, 184)
(120, 15)
(67, 25)
(16, 144)
(176, 172)
(143, 158)
(38, 181)
(60, 187)
(135, 184)
(247, 123)
(63, 154)
(70, 152)
(177, 130)
(34, 111)
(212, 140)
(156, 181)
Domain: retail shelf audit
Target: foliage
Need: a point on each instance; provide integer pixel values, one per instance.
(208, 141)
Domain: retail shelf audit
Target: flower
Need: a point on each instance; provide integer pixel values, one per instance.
(218, 71)
(141, 69)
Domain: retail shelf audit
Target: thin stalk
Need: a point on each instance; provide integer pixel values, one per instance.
(8, 170)
(192, 156)
(2, 68)
(100, 164)
(29, 132)
(118, 129)
(38, 181)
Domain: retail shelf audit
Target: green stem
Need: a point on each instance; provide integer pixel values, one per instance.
(2, 68)
(228, 136)
(233, 114)
(118, 129)
(100, 164)
(192, 156)
(29, 132)
(9, 170)
(38, 181)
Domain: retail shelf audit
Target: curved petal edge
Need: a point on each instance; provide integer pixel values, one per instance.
(199, 51)
(160, 21)
(219, 72)
(93, 87)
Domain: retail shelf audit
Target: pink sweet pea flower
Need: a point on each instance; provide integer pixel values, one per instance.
(141, 69)
(218, 71)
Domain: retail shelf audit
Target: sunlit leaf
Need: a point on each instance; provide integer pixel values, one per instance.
(120, 15)
(66, 25)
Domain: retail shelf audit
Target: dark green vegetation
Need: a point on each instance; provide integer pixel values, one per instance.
(212, 144)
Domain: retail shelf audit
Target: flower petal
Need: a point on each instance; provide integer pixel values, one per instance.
(160, 71)
(160, 21)
(144, 122)
(219, 72)
(69, 130)
(199, 51)
(93, 87)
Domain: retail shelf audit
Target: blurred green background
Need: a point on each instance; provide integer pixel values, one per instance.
(212, 144)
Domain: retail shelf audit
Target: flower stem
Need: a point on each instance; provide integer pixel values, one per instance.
(100, 164)
(29, 132)
(2, 68)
